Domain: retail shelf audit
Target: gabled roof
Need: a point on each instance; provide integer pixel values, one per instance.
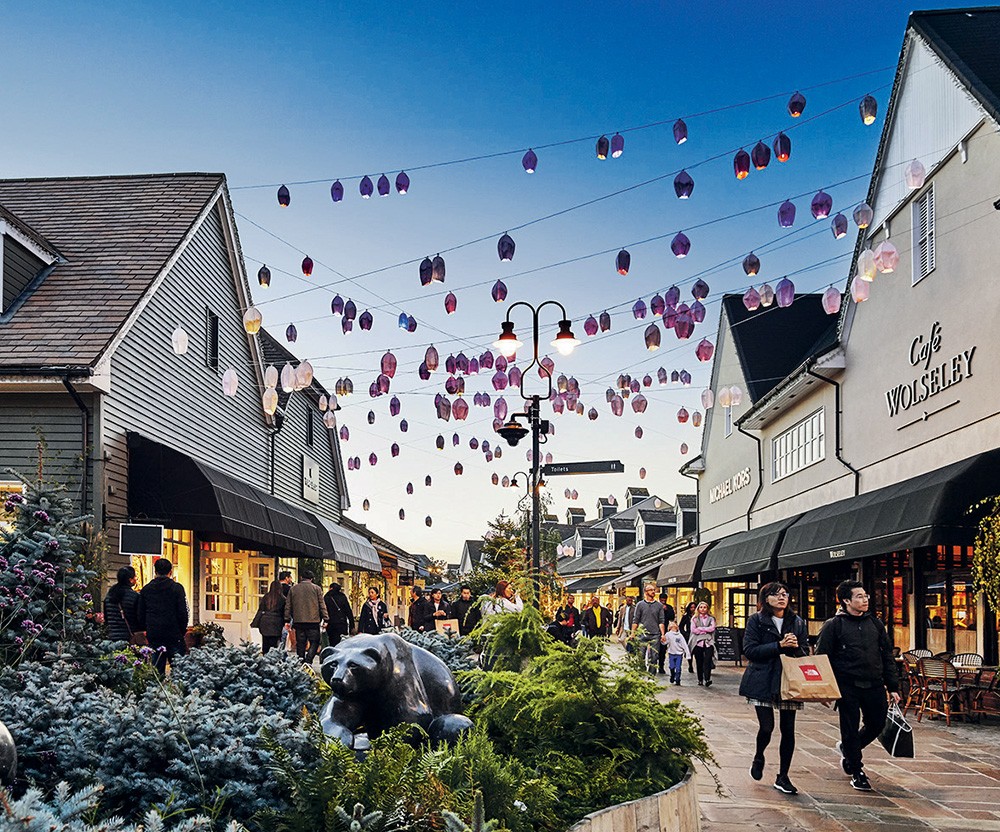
(661, 516)
(771, 342)
(687, 501)
(475, 549)
(623, 523)
(115, 235)
(967, 41)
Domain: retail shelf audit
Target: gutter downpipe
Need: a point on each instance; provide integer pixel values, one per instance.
(697, 505)
(760, 471)
(839, 414)
(85, 444)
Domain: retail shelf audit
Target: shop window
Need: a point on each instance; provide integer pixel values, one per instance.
(729, 420)
(211, 340)
(800, 446)
(178, 548)
(923, 236)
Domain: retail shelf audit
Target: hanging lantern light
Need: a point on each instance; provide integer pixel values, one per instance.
(672, 297)
(451, 386)
(422, 372)
(546, 367)
(683, 185)
(500, 409)
(602, 148)
(460, 409)
(886, 257)
(652, 337)
(860, 289)
(284, 197)
(514, 377)
(760, 155)
(786, 214)
(287, 378)
(866, 265)
(529, 161)
(821, 205)
(684, 325)
(698, 312)
(590, 326)
(409, 488)
(383, 185)
(388, 364)
(680, 131)
(642, 473)
(404, 426)
(622, 262)
(704, 350)
(230, 382)
(735, 396)
(696, 419)
(179, 341)
(617, 145)
(252, 320)
(751, 264)
(264, 276)
(869, 110)
(345, 434)
(402, 183)
(839, 226)
(638, 432)
(443, 408)
(669, 317)
(458, 469)
(831, 301)
(661, 375)
(499, 380)
(592, 414)
(474, 367)
(685, 378)
(639, 403)
(617, 405)
(365, 320)
(394, 450)
(270, 401)
(427, 481)
(682, 415)
(505, 248)
(304, 375)
(366, 189)
(766, 295)
(647, 380)
(431, 358)
(486, 360)
(450, 303)
(605, 321)
(684, 448)
(426, 270)
(751, 299)
(707, 398)
(785, 292)
(782, 147)
(657, 306)
(394, 406)
(499, 292)
(336, 191)
(271, 376)
(350, 310)
(439, 442)
(796, 104)
(347, 325)
(700, 289)
(741, 164)
(291, 333)
(411, 324)
(639, 310)
(337, 305)
(437, 269)
(915, 174)
(307, 265)
(680, 245)
(725, 397)
(372, 459)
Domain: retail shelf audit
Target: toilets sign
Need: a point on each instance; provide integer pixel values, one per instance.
(937, 372)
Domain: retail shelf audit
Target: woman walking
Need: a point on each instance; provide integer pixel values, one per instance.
(685, 628)
(270, 618)
(702, 643)
(773, 631)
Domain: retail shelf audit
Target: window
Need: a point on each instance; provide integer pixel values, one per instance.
(923, 235)
(611, 539)
(729, 420)
(640, 535)
(310, 435)
(211, 340)
(798, 447)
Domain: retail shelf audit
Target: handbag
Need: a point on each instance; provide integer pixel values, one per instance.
(808, 679)
(257, 618)
(897, 735)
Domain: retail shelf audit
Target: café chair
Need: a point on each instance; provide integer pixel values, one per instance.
(967, 660)
(944, 692)
(914, 683)
(986, 696)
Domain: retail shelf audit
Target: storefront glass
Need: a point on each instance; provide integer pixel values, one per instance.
(731, 603)
(179, 550)
(232, 583)
(949, 606)
(891, 588)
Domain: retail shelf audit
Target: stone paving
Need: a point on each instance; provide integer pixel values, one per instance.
(953, 783)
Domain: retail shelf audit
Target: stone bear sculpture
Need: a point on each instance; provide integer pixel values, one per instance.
(381, 681)
(8, 757)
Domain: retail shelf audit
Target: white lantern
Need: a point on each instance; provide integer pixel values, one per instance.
(271, 376)
(600, 554)
(915, 174)
(866, 265)
(230, 382)
(608, 556)
(331, 403)
(860, 290)
(287, 378)
(559, 550)
(251, 320)
(886, 257)
(707, 398)
(569, 551)
(179, 341)
(270, 401)
(322, 404)
(735, 396)
(305, 372)
(725, 398)
(330, 419)
(831, 301)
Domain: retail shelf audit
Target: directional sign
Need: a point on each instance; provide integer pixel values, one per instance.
(610, 466)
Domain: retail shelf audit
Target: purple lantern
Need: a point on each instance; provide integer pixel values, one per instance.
(336, 191)
(473, 366)
(383, 185)
(766, 295)
(437, 269)
(656, 306)
(590, 326)
(617, 405)
(501, 363)
(839, 226)
(346, 324)
(680, 245)
(350, 465)
(474, 443)
(704, 350)
(450, 302)
(337, 305)
(652, 337)
(411, 324)
(529, 161)
(751, 300)
(622, 262)
(451, 386)
(670, 317)
(366, 320)
(685, 378)
(460, 409)
(680, 131)
(455, 440)
(462, 363)
(450, 365)
(672, 297)
(427, 481)
(394, 449)
(751, 264)
(741, 164)
(423, 372)
(786, 214)
(700, 289)
(307, 265)
(402, 183)
(499, 292)
(431, 358)
(409, 488)
(661, 375)
(486, 360)
(291, 333)
(500, 408)
(639, 310)
(603, 145)
(505, 248)
(868, 109)
(605, 321)
(350, 310)
(683, 185)
(782, 147)
(264, 276)
(760, 155)
(443, 407)
(831, 301)
(698, 311)
(394, 406)
(617, 145)
(545, 367)
(639, 403)
(684, 325)
(366, 188)
(514, 377)
(404, 426)
(345, 434)
(557, 405)
(784, 292)
(372, 458)
(683, 415)
(284, 197)
(638, 434)
(426, 270)
(499, 380)
(439, 442)
(647, 380)
(389, 364)
(821, 205)
(382, 383)
(796, 104)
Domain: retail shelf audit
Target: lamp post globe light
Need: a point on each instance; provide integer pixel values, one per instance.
(513, 432)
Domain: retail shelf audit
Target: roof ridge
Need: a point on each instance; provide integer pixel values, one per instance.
(115, 177)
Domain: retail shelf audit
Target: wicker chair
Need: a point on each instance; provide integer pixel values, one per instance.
(943, 692)
(914, 683)
(920, 653)
(986, 696)
(967, 660)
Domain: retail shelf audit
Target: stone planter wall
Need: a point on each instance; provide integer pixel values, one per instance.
(675, 810)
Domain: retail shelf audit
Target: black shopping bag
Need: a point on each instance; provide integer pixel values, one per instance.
(897, 736)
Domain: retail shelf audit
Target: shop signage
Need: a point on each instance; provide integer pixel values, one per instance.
(937, 374)
(738, 481)
(310, 480)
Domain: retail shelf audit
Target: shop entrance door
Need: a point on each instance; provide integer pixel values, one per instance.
(742, 604)
(232, 585)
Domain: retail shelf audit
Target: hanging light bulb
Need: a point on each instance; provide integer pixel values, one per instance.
(821, 205)
(680, 245)
(622, 262)
(499, 292)
(252, 320)
(705, 350)
(366, 189)
(785, 292)
(741, 164)
(782, 147)
(602, 148)
(264, 276)
(860, 289)
(869, 110)
(760, 155)
(886, 257)
(617, 145)
(796, 104)
(284, 197)
(751, 300)
(866, 265)
(915, 174)
(230, 382)
(751, 264)
(839, 226)
(505, 248)
(529, 161)
(683, 185)
(402, 183)
(680, 131)
(786, 214)
(766, 295)
(179, 341)
(639, 310)
(307, 266)
(336, 191)
(831, 301)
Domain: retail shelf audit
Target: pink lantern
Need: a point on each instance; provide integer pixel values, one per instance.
(499, 380)
(545, 367)
(431, 358)
(500, 408)
(704, 350)
(460, 409)
(831, 301)
(450, 303)
(514, 377)
(389, 364)
(766, 295)
(860, 290)
(684, 448)
(751, 300)
(915, 174)
(785, 292)
(647, 380)
(590, 326)
(886, 257)
(639, 403)
(682, 415)
(638, 432)
(696, 418)
(617, 405)
(642, 473)
(486, 360)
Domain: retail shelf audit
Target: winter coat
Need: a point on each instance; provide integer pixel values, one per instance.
(762, 678)
(304, 604)
(859, 650)
(370, 623)
(121, 613)
(570, 615)
(421, 616)
(677, 645)
(340, 617)
(163, 612)
(468, 615)
(272, 622)
(444, 607)
(589, 622)
(702, 631)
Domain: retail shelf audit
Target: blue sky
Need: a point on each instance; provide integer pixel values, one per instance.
(272, 93)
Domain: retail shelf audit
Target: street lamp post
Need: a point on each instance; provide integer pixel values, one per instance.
(513, 432)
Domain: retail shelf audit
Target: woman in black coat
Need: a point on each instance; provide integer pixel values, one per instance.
(374, 614)
(773, 631)
(341, 617)
(270, 618)
(121, 607)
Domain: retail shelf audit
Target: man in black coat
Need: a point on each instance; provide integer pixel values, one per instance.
(862, 661)
(341, 620)
(596, 620)
(163, 614)
(465, 610)
(421, 612)
(567, 620)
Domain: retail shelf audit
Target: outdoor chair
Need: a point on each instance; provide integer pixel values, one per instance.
(943, 691)
(914, 683)
(920, 653)
(944, 656)
(986, 696)
(967, 660)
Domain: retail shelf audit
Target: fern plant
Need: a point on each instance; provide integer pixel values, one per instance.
(453, 823)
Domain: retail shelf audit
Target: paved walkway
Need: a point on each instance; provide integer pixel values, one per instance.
(954, 782)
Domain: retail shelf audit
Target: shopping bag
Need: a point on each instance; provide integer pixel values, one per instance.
(897, 736)
(808, 679)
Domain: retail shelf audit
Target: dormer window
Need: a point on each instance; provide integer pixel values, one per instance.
(611, 539)
(640, 535)
(21, 263)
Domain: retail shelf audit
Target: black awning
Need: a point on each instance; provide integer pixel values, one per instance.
(347, 547)
(745, 554)
(929, 510)
(683, 567)
(585, 585)
(168, 485)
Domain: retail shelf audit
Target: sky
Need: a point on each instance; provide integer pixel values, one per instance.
(308, 93)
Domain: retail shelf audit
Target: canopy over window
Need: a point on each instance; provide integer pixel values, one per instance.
(745, 554)
(683, 567)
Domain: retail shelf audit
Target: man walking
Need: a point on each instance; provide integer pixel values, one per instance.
(596, 620)
(623, 618)
(421, 616)
(286, 632)
(163, 614)
(861, 656)
(306, 608)
(567, 620)
(466, 611)
(649, 615)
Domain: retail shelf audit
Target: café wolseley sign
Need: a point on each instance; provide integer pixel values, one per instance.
(937, 372)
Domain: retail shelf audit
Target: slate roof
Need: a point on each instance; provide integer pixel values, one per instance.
(115, 234)
(771, 342)
(664, 516)
(687, 501)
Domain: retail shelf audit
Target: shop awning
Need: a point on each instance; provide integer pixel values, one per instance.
(348, 547)
(929, 510)
(585, 585)
(626, 578)
(165, 484)
(683, 567)
(745, 554)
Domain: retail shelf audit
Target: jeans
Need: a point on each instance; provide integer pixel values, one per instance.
(854, 704)
(703, 661)
(676, 666)
(307, 633)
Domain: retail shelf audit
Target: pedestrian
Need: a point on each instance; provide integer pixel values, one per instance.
(287, 633)
(304, 607)
(466, 610)
(374, 614)
(668, 616)
(340, 616)
(862, 661)
(596, 620)
(567, 620)
(772, 632)
(503, 599)
(121, 607)
(421, 616)
(163, 614)
(702, 643)
(649, 616)
(441, 608)
(623, 618)
(270, 617)
(685, 626)
(677, 648)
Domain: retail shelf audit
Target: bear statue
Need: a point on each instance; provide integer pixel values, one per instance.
(381, 681)
(8, 757)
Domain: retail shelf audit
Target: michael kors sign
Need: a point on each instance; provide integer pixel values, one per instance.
(741, 479)
(937, 373)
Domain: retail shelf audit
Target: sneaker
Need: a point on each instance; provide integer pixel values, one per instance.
(860, 782)
(700, 682)
(757, 768)
(783, 784)
(839, 747)
(708, 683)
